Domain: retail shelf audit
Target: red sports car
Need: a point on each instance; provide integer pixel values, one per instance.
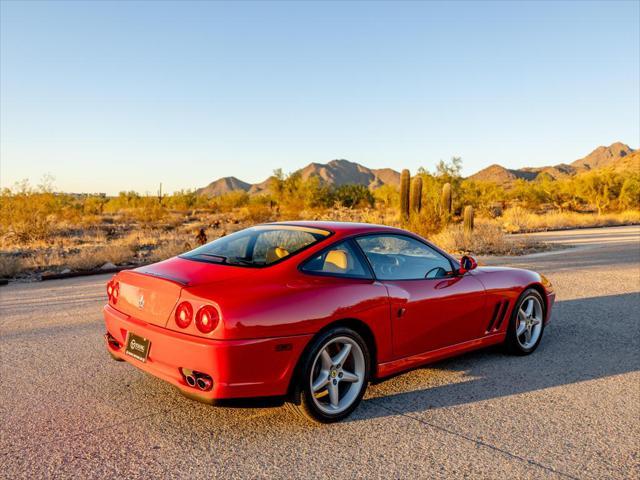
(313, 311)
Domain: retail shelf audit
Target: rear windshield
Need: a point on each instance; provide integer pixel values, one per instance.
(258, 246)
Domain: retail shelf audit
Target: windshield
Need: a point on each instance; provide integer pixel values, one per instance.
(258, 246)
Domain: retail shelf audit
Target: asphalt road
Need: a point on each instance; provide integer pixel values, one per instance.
(571, 410)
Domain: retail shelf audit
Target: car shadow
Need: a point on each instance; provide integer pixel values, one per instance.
(588, 338)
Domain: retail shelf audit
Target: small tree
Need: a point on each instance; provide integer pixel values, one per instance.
(352, 195)
(630, 193)
(598, 188)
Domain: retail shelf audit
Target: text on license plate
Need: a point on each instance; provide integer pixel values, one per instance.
(137, 347)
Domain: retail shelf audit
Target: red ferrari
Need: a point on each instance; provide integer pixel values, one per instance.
(313, 311)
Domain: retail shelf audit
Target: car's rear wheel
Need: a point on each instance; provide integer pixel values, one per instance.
(333, 376)
(527, 324)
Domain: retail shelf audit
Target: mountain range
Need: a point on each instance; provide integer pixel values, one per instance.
(617, 155)
(336, 172)
(343, 172)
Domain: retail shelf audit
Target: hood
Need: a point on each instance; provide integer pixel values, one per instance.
(495, 269)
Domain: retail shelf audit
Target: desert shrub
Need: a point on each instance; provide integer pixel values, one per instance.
(518, 219)
(387, 196)
(351, 196)
(10, 266)
(425, 223)
(169, 248)
(293, 194)
(94, 205)
(150, 212)
(599, 188)
(486, 239)
(43, 259)
(93, 257)
(231, 200)
(482, 196)
(27, 214)
(257, 212)
(185, 200)
(630, 192)
(124, 201)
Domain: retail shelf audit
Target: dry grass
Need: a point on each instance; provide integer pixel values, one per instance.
(10, 266)
(90, 258)
(45, 259)
(169, 249)
(518, 220)
(487, 238)
(119, 240)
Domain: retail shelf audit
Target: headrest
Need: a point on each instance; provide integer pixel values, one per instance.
(275, 254)
(336, 261)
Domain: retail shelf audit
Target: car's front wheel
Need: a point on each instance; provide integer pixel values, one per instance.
(527, 324)
(333, 376)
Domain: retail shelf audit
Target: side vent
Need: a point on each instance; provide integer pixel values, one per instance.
(499, 312)
(496, 311)
(505, 307)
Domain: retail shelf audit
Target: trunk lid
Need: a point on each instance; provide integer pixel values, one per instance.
(189, 273)
(151, 293)
(147, 298)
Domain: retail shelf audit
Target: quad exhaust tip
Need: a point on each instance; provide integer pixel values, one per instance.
(191, 380)
(204, 383)
(198, 380)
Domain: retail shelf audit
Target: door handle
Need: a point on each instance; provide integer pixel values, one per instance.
(401, 312)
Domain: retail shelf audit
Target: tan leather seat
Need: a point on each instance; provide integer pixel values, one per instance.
(336, 261)
(275, 253)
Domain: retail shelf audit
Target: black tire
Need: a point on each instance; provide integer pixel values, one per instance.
(512, 344)
(303, 402)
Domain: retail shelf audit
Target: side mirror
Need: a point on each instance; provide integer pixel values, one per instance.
(467, 263)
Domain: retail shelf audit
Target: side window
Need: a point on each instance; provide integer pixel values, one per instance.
(273, 245)
(396, 257)
(339, 260)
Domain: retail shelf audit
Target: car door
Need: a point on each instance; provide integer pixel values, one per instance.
(431, 306)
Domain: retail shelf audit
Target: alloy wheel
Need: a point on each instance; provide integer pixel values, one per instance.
(529, 326)
(337, 375)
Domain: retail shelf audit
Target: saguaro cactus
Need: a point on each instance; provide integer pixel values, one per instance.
(468, 220)
(405, 179)
(445, 199)
(160, 195)
(416, 195)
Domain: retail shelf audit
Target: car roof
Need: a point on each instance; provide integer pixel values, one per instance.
(346, 229)
(342, 228)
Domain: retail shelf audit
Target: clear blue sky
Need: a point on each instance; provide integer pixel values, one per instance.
(110, 96)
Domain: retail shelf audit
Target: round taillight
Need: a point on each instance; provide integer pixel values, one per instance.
(184, 314)
(113, 290)
(207, 319)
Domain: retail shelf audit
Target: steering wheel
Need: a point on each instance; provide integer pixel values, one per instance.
(391, 265)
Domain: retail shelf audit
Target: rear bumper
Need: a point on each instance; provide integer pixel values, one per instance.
(239, 368)
(551, 299)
